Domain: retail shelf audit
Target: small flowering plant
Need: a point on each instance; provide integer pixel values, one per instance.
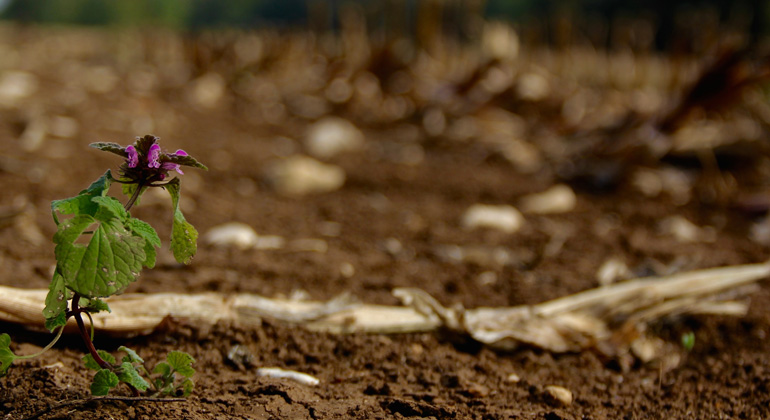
(100, 250)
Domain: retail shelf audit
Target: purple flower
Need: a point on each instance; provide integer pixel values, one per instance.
(153, 156)
(170, 166)
(133, 156)
(180, 152)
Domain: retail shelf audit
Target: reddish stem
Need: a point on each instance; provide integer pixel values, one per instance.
(84, 334)
(89, 344)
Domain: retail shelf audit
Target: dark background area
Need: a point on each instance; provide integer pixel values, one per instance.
(679, 26)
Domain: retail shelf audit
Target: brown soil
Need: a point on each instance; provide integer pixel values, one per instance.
(726, 375)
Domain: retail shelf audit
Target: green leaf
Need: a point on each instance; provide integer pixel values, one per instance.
(56, 302)
(6, 355)
(104, 380)
(109, 208)
(163, 368)
(146, 232)
(68, 254)
(130, 356)
(82, 204)
(95, 305)
(91, 363)
(129, 375)
(112, 260)
(183, 235)
(181, 362)
(185, 161)
(56, 322)
(110, 147)
(187, 387)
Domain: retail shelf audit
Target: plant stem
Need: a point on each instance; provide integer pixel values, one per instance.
(134, 196)
(46, 348)
(90, 344)
(84, 334)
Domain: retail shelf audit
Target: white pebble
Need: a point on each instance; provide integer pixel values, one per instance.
(504, 218)
(235, 234)
(557, 199)
(559, 395)
(207, 90)
(16, 85)
(301, 175)
(332, 136)
(279, 373)
(686, 231)
(612, 270)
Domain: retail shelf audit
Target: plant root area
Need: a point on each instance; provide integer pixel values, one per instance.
(398, 220)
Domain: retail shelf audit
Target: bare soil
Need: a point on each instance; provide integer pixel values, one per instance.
(390, 222)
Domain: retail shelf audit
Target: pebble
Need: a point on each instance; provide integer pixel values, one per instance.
(612, 270)
(558, 395)
(686, 231)
(513, 378)
(233, 234)
(303, 378)
(298, 176)
(557, 199)
(207, 90)
(503, 218)
(15, 86)
(332, 136)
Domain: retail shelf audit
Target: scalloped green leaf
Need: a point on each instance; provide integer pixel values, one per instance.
(103, 382)
(109, 208)
(181, 362)
(184, 237)
(90, 363)
(110, 262)
(94, 305)
(187, 387)
(82, 203)
(152, 240)
(130, 356)
(163, 368)
(56, 302)
(6, 355)
(185, 161)
(131, 376)
(110, 147)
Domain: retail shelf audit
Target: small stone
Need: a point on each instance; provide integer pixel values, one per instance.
(278, 373)
(207, 90)
(558, 395)
(557, 199)
(612, 270)
(15, 86)
(686, 231)
(347, 270)
(504, 218)
(332, 136)
(513, 378)
(300, 175)
(233, 234)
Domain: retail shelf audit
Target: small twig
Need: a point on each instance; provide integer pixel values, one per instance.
(85, 401)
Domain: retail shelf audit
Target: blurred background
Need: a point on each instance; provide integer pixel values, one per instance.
(396, 101)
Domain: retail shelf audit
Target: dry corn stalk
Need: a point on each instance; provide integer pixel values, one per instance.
(570, 323)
